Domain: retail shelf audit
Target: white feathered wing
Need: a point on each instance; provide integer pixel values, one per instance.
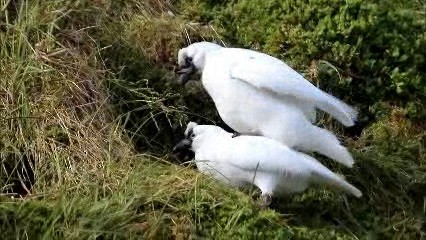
(265, 72)
(253, 153)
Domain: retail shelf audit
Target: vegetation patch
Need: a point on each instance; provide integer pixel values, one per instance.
(366, 53)
(90, 110)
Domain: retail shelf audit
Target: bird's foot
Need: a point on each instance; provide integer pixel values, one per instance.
(265, 200)
(236, 134)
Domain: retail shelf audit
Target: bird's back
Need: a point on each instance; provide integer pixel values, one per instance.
(257, 152)
(244, 159)
(242, 106)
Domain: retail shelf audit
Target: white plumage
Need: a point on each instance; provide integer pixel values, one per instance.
(268, 164)
(257, 94)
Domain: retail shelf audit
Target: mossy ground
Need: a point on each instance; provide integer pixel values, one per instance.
(89, 112)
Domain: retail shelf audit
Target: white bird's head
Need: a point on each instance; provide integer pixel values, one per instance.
(192, 58)
(195, 135)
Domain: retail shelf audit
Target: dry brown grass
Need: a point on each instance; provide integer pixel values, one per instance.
(158, 37)
(53, 100)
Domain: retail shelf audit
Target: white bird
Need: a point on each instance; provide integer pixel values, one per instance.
(257, 94)
(273, 167)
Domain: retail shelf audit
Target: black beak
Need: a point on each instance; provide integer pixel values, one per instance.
(185, 71)
(184, 144)
(182, 150)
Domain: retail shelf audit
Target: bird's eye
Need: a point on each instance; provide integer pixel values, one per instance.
(192, 136)
(188, 59)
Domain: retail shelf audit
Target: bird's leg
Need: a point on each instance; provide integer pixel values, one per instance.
(236, 134)
(266, 200)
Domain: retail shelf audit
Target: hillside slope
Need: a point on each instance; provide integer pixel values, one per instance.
(90, 110)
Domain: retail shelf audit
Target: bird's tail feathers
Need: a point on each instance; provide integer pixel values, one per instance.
(324, 142)
(326, 176)
(344, 113)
